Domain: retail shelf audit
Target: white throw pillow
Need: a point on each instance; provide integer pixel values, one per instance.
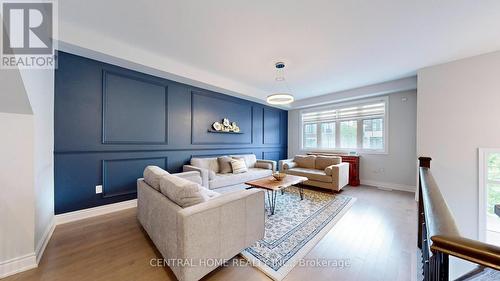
(183, 192)
(239, 166)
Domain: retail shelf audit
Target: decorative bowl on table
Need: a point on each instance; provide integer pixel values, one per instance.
(279, 176)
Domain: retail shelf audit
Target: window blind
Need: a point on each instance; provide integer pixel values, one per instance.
(370, 110)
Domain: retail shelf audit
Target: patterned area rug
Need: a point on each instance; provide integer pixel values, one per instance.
(294, 229)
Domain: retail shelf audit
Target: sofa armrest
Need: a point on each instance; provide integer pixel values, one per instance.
(339, 173)
(268, 162)
(289, 164)
(194, 176)
(332, 169)
(219, 229)
(203, 173)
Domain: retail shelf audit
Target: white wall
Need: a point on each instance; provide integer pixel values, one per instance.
(396, 169)
(458, 112)
(17, 199)
(39, 85)
(26, 167)
(13, 98)
(16, 183)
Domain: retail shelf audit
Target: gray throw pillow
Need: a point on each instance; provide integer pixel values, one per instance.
(225, 164)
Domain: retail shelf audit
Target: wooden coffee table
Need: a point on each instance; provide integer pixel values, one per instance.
(272, 186)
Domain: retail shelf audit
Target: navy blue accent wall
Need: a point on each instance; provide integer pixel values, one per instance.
(111, 122)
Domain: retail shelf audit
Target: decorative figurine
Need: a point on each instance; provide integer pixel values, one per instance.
(217, 126)
(226, 126)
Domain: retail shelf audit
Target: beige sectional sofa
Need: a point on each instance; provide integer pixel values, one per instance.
(212, 178)
(195, 239)
(322, 171)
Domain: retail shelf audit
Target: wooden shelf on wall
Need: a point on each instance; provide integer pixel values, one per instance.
(222, 132)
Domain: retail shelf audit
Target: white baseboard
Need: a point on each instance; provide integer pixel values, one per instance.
(17, 265)
(42, 244)
(27, 262)
(96, 211)
(389, 186)
(30, 261)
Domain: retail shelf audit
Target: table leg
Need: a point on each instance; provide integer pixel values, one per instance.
(301, 192)
(271, 199)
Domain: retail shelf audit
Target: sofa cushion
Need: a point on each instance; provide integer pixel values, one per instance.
(258, 173)
(250, 159)
(210, 163)
(264, 165)
(305, 161)
(231, 188)
(324, 161)
(153, 175)
(239, 166)
(209, 193)
(225, 164)
(227, 179)
(310, 174)
(181, 191)
(223, 180)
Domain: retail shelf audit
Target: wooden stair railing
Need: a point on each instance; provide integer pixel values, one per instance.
(438, 235)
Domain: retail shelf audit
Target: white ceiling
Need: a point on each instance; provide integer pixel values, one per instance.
(328, 46)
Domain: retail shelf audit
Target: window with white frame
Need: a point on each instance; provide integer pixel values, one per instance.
(357, 126)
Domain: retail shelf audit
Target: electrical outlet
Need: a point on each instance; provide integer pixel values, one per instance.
(98, 189)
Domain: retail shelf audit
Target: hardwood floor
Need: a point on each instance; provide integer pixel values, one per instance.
(377, 236)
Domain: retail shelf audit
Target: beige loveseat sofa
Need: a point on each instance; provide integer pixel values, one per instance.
(195, 240)
(322, 171)
(212, 178)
